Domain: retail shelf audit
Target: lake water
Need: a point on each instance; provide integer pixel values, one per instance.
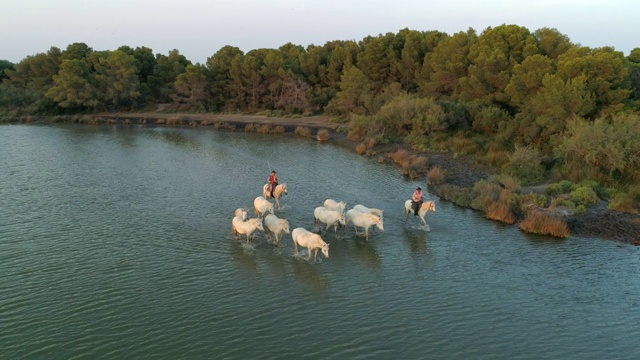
(115, 243)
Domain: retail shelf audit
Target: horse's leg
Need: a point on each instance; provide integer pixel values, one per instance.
(309, 251)
(366, 233)
(315, 255)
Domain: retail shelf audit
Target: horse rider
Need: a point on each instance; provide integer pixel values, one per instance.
(417, 200)
(273, 181)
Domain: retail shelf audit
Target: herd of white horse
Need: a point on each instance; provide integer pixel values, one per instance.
(331, 213)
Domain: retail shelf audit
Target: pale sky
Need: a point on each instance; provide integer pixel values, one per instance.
(199, 28)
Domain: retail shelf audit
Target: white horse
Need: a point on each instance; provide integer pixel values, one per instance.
(277, 226)
(335, 205)
(329, 217)
(281, 189)
(247, 227)
(262, 206)
(310, 241)
(422, 212)
(239, 213)
(363, 220)
(365, 209)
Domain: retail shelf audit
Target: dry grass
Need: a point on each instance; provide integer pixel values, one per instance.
(175, 120)
(381, 160)
(323, 135)
(412, 166)
(361, 148)
(435, 175)
(264, 129)
(540, 222)
(250, 127)
(500, 210)
(400, 157)
(302, 131)
(278, 130)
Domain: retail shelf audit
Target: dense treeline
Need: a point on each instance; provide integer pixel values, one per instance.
(531, 103)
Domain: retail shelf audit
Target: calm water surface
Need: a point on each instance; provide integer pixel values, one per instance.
(115, 243)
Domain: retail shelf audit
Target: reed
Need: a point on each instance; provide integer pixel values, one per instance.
(540, 222)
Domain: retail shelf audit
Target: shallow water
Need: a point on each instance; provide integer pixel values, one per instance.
(115, 242)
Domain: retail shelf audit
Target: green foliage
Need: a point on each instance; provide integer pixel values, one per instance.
(606, 149)
(584, 195)
(355, 94)
(525, 164)
(562, 187)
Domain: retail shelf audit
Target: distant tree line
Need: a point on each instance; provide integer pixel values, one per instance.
(509, 95)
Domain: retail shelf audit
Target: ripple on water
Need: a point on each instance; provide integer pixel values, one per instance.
(116, 243)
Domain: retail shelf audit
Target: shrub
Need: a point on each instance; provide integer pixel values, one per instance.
(501, 210)
(464, 145)
(622, 202)
(484, 193)
(435, 175)
(250, 127)
(584, 195)
(414, 166)
(400, 157)
(497, 158)
(264, 129)
(562, 187)
(322, 135)
(456, 194)
(540, 222)
(361, 148)
(302, 131)
(278, 130)
(525, 163)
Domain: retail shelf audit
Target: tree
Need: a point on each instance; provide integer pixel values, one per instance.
(606, 76)
(76, 51)
(219, 65)
(446, 65)
(493, 57)
(117, 78)
(73, 87)
(355, 93)
(377, 59)
(32, 78)
(552, 43)
(410, 63)
(163, 78)
(191, 86)
(5, 64)
(527, 79)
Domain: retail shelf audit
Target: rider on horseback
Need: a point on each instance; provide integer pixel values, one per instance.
(273, 182)
(417, 200)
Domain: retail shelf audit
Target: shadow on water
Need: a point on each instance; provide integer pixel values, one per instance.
(244, 256)
(365, 251)
(417, 241)
(307, 272)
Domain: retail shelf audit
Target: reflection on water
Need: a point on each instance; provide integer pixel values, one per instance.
(124, 233)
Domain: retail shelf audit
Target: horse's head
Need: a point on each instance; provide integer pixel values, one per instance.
(341, 219)
(379, 224)
(325, 250)
(432, 206)
(259, 224)
(285, 226)
(284, 188)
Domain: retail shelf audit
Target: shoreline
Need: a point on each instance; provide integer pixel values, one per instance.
(461, 171)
